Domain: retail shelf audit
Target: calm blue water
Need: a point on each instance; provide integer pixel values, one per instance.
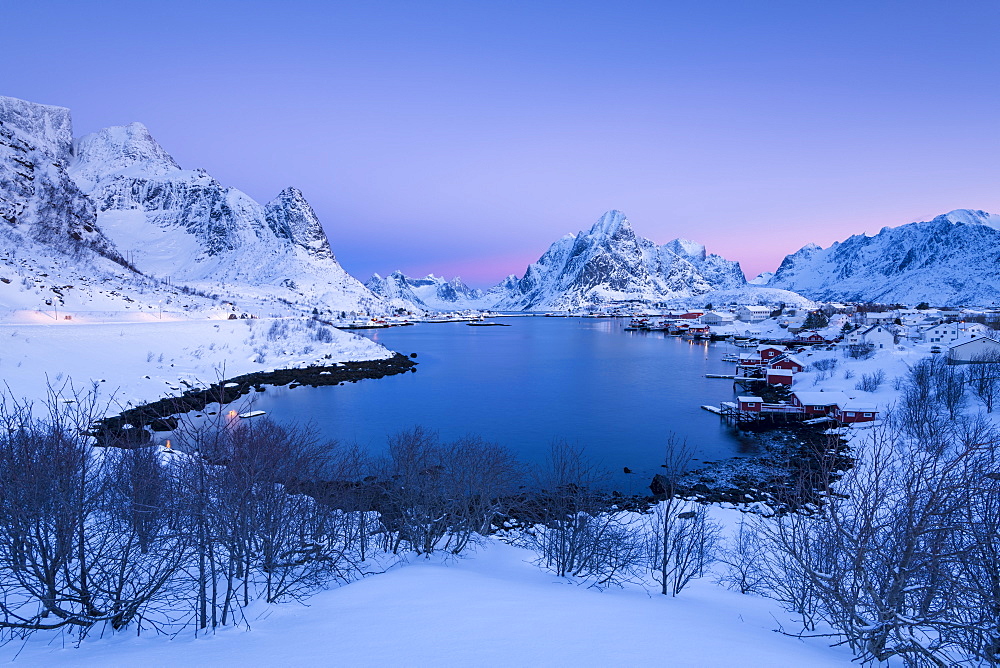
(619, 394)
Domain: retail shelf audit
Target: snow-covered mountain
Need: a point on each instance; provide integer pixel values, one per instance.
(610, 263)
(431, 292)
(184, 225)
(951, 259)
(54, 255)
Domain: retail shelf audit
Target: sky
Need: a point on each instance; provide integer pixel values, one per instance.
(462, 138)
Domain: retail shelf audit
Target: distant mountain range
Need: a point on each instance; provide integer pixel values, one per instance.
(112, 220)
(949, 260)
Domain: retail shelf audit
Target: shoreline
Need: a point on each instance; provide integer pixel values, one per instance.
(127, 429)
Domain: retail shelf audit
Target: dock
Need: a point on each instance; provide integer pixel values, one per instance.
(712, 409)
(720, 375)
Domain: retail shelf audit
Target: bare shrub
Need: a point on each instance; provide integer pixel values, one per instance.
(575, 534)
(871, 382)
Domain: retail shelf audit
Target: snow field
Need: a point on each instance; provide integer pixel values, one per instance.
(494, 608)
(133, 363)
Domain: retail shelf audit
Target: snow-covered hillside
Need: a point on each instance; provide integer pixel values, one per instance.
(493, 609)
(952, 259)
(149, 358)
(610, 263)
(54, 253)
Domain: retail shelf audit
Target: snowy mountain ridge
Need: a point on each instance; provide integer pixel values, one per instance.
(431, 292)
(951, 259)
(185, 225)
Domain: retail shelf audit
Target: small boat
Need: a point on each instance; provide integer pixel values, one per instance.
(251, 414)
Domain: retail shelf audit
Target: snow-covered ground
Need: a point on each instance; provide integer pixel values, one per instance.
(495, 608)
(147, 358)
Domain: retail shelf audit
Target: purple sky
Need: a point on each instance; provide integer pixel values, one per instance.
(465, 137)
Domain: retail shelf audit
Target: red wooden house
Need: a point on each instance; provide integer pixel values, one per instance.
(787, 362)
(818, 404)
(854, 411)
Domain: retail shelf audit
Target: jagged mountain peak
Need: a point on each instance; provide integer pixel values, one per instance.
(432, 292)
(687, 248)
(608, 225)
(611, 263)
(291, 217)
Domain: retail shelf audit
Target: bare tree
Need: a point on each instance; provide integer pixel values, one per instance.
(681, 539)
(75, 550)
(984, 379)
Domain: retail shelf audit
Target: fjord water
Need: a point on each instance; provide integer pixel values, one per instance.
(584, 380)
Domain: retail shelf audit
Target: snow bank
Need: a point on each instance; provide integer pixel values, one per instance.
(494, 609)
(134, 363)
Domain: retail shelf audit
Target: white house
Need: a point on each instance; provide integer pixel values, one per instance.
(717, 318)
(879, 336)
(753, 313)
(950, 332)
(884, 317)
(966, 352)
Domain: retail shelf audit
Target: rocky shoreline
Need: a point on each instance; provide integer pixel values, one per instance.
(796, 464)
(131, 427)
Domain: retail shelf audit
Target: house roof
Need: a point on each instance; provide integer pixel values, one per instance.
(780, 372)
(975, 339)
(859, 406)
(747, 400)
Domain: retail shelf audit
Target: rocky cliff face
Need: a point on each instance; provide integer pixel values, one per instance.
(38, 199)
(952, 259)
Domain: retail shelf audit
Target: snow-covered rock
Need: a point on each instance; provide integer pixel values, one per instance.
(952, 259)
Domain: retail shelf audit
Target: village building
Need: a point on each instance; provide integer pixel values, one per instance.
(885, 317)
(749, 404)
(878, 336)
(855, 410)
(977, 348)
(788, 362)
(950, 332)
(753, 313)
(818, 404)
(779, 376)
(811, 337)
(717, 318)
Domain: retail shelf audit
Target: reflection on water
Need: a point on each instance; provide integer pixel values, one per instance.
(618, 394)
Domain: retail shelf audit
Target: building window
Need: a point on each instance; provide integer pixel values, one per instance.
(850, 414)
(868, 414)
